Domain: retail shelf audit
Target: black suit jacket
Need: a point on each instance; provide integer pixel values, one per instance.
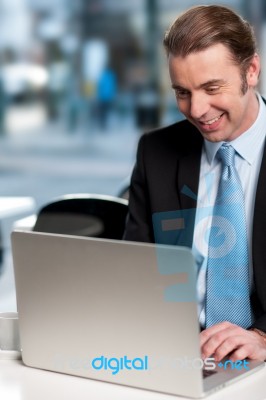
(168, 159)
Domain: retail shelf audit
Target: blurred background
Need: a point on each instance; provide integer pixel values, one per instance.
(80, 81)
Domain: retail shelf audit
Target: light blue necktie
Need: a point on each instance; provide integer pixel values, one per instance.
(227, 296)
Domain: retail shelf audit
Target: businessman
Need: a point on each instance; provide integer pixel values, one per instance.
(209, 171)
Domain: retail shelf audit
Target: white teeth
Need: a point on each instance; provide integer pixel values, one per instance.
(211, 121)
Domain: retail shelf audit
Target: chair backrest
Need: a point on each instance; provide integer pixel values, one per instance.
(84, 215)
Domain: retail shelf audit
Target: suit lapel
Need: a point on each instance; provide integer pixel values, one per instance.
(188, 178)
(188, 183)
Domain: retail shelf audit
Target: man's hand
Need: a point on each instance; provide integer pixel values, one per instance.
(226, 339)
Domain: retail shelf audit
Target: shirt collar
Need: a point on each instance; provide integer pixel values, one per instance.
(249, 143)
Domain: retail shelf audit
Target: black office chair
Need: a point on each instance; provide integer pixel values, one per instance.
(84, 215)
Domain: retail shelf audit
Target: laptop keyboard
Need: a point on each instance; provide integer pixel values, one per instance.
(207, 373)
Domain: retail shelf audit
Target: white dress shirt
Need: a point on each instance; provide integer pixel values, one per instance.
(249, 150)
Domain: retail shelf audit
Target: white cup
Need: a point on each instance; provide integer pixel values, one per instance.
(9, 332)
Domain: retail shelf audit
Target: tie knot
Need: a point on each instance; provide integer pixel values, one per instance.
(227, 155)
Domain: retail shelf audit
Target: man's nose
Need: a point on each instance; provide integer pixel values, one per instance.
(199, 106)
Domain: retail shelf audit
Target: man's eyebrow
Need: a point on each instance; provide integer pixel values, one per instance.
(202, 85)
(212, 82)
(177, 87)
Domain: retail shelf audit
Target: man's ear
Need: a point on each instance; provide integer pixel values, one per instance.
(253, 71)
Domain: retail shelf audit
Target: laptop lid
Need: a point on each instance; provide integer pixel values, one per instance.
(120, 312)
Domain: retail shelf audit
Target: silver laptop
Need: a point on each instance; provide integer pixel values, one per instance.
(119, 312)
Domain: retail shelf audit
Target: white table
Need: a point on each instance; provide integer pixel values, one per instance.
(13, 206)
(18, 382)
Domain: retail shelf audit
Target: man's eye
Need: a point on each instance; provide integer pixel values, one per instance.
(213, 89)
(181, 94)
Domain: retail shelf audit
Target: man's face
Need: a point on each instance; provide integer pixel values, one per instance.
(208, 85)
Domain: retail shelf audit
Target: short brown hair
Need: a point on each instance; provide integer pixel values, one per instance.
(203, 26)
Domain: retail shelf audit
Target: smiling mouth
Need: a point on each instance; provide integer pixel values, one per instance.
(211, 121)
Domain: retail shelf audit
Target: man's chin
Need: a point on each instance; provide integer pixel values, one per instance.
(214, 136)
(210, 135)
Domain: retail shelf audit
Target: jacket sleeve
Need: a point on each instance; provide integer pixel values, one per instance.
(259, 314)
(139, 220)
(260, 323)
